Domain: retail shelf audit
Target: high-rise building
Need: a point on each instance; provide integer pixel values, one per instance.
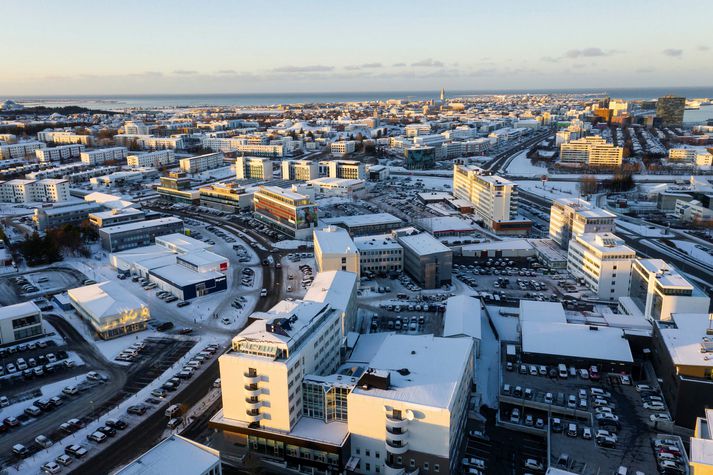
(603, 261)
(593, 151)
(303, 170)
(669, 110)
(573, 217)
(259, 168)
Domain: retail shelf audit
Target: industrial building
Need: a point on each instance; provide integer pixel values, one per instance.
(138, 234)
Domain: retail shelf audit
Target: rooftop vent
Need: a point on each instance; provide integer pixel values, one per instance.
(404, 372)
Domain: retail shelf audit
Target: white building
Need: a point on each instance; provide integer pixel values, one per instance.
(19, 150)
(102, 155)
(58, 154)
(351, 169)
(335, 250)
(409, 409)
(176, 455)
(574, 217)
(28, 191)
(593, 151)
(201, 163)
(302, 170)
(603, 261)
(413, 130)
(347, 187)
(700, 457)
(338, 289)
(380, 254)
(157, 159)
(253, 167)
(20, 321)
(344, 147)
(693, 212)
(136, 127)
(64, 137)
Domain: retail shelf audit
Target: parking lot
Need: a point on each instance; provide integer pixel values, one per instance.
(28, 285)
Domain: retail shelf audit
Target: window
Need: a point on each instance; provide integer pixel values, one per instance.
(436, 467)
(412, 462)
(367, 452)
(367, 467)
(425, 466)
(358, 451)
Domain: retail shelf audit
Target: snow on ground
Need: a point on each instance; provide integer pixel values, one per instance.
(551, 189)
(47, 391)
(332, 200)
(520, 165)
(506, 322)
(641, 230)
(695, 252)
(291, 244)
(215, 174)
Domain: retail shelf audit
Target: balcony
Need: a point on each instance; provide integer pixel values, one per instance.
(396, 422)
(251, 378)
(252, 403)
(252, 390)
(397, 434)
(393, 469)
(253, 415)
(396, 447)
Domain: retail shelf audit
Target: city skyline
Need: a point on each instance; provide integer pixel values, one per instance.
(229, 48)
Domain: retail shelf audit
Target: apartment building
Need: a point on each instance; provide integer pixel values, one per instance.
(19, 150)
(426, 259)
(381, 254)
(574, 216)
(201, 163)
(343, 147)
(302, 170)
(137, 127)
(291, 213)
(64, 137)
(102, 155)
(103, 219)
(413, 130)
(259, 168)
(138, 234)
(335, 250)
(242, 145)
(494, 199)
(28, 191)
(60, 153)
(156, 159)
(351, 169)
(592, 151)
(603, 261)
(658, 290)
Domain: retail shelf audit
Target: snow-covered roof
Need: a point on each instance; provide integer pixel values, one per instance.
(684, 339)
(181, 243)
(378, 242)
(333, 287)
(201, 258)
(363, 220)
(702, 445)
(666, 275)
(334, 240)
(104, 301)
(18, 310)
(122, 228)
(301, 316)
(508, 244)
(182, 276)
(442, 224)
(367, 346)
(423, 369)
(175, 455)
(462, 317)
(423, 244)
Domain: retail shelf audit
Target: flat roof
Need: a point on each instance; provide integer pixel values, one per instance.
(606, 243)
(104, 300)
(702, 447)
(448, 223)
(334, 240)
(333, 287)
(175, 455)
(381, 241)
(435, 365)
(462, 317)
(81, 206)
(283, 192)
(423, 244)
(684, 338)
(181, 242)
(181, 276)
(509, 244)
(374, 219)
(666, 275)
(18, 310)
(121, 228)
(202, 257)
(112, 213)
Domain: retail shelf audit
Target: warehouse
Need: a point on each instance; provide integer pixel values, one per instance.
(203, 261)
(187, 284)
(109, 309)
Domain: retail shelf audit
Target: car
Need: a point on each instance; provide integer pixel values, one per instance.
(64, 460)
(43, 441)
(556, 424)
(216, 383)
(572, 429)
(584, 374)
(66, 428)
(660, 418)
(670, 466)
(183, 303)
(33, 411)
(20, 451)
(548, 398)
(56, 401)
(529, 420)
(540, 423)
(109, 431)
(70, 390)
(606, 416)
(76, 450)
(528, 393)
(607, 442)
(533, 464)
(98, 437)
(586, 433)
(11, 421)
(51, 468)
(138, 409)
(159, 392)
(478, 434)
(174, 422)
(572, 401)
(93, 376)
(625, 379)
(473, 462)
(185, 331)
(4, 401)
(643, 388)
(654, 406)
(226, 321)
(118, 424)
(533, 370)
(515, 416)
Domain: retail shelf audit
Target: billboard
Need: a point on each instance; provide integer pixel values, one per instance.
(306, 217)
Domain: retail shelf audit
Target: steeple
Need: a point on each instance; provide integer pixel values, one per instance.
(443, 95)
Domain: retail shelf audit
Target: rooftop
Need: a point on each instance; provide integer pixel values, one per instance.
(381, 241)
(175, 455)
(666, 275)
(105, 300)
(363, 220)
(462, 317)
(332, 287)
(334, 240)
(423, 244)
(18, 310)
(606, 243)
(182, 276)
(122, 228)
(685, 339)
(181, 243)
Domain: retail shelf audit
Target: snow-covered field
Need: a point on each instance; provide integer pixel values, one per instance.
(640, 229)
(520, 165)
(551, 189)
(693, 251)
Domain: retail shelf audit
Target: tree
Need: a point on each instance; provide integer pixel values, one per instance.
(620, 182)
(588, 185)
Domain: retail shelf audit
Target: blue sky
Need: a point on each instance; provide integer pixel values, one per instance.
(217, 46)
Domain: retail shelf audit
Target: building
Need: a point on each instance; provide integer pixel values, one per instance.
(136, 127)
(658, 290)
(409, 409)
(573, 217)
(201, 163)
(103, 155)
(157, 159)
(700, 457)
(19, 150)
(47, 217)
(414, 130)
(343, 147)
(347, 187)
(603, 261)
(335, 250)
(419, 157)
(380, 255)
(291, 213)
(259, 168)
(681, 354)
(177, 455)
(350, 169)
(58, 137)
(19, 322)
(182, 244)
(103, 219)
(241, 145)
(364, 224)
(592, 151)
(59, 154)
(693, 212)
(426, 259)
(302, 170)
(138, 234)
(338, 289)
(669, 111)
(494, 199)
(228, 197)
(463, 318)
(377, 172)
(186, 281)
(47, 190)
(110, 310)
(124, 177)
(176, 187)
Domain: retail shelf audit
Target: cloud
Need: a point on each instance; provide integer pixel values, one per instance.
(673, 52)
(427, 63)
(317, 68)
(644, 70)
(185, 72)
(356, 67)
(588, 53)
(147, 74)
(399, 65)
(703, 48)
(550, 59)
(227, 71)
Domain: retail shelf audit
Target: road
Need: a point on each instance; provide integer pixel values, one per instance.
(496, 164)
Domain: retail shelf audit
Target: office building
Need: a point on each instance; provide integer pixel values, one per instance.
(186, 280)
(259, 168)
(603, 261)
(176, 455)
(66, 213)
(59, 137)
(346, 187)
(19, 150)
(110, 310)
(426, 259)
(658, 290)
(302, 170)
(335, 250)
(241, 145)
(176, 187)
(592, 151)
(365, 224)
(29, 191)
(494, 199)
(419, 157)
(700, 457)
(157, 159)
(413, 130)
(350, 169)
(669, 111)
(124, 177)
(103, 219)
(344, 147)
(573, 217)
(693, 212)
(19, 322)
(103, 155)
(291, 213)
(138, 234)
(201, 163)
(380, 255)
(228, 197)
(59, 154)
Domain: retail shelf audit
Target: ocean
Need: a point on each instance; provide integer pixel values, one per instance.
(150, 101)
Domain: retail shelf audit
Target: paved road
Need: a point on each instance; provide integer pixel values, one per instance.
(496, 164)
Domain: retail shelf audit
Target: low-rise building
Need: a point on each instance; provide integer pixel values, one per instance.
(157, 159)
(351, 169)
(113, 217)
(138, 234)
(335, 250)
(365, 224)
(592, 151)
(176, 187)
(19, 322)
(347, 187)
(227, 197)
(201, 163)
(103, 155)
(380, 254)
(50, 190)
(700, 457)
(176, 454)
(47, 217)
(426, 259)
(20, 149)
(59, 154)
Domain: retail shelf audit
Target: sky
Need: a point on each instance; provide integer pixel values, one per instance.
(222, 46)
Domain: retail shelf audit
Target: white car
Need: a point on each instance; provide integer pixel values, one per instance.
(51, 468)
(660, 418)
(533, 464)
(43, 441)
(654, 406)
(643, 387)
(70, 390)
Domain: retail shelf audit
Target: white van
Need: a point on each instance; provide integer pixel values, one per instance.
(562, 371)
(173, 411)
